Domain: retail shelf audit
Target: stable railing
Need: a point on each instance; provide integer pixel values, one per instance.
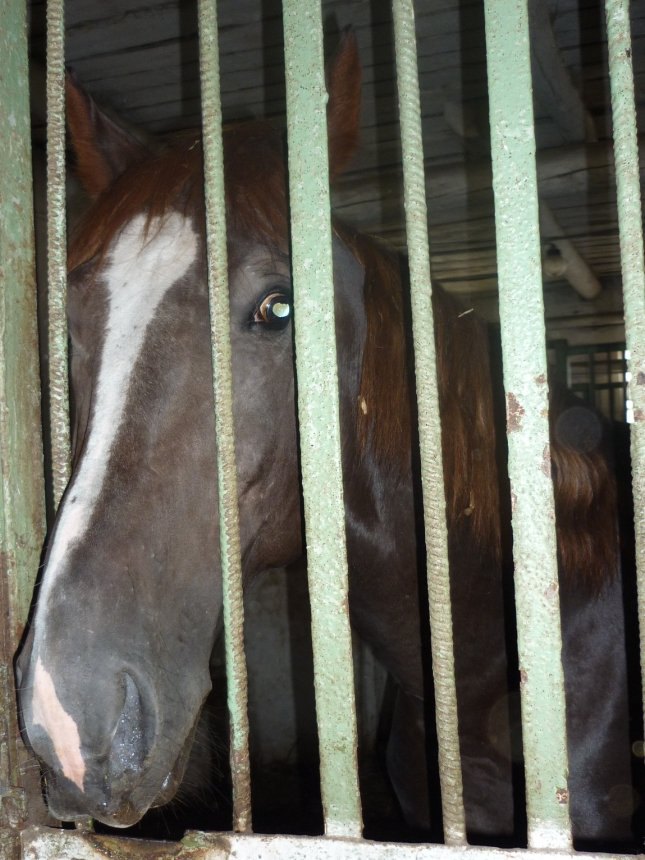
(525, 369)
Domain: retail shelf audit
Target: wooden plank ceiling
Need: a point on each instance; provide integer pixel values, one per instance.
(140, 58)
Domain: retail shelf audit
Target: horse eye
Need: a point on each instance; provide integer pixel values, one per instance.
(274, 311)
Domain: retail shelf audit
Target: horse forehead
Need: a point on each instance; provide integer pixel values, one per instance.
(148, 248)
(145, 261)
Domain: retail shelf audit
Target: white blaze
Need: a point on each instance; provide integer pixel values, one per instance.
(142, 267)
(48, 712)
(139, 273)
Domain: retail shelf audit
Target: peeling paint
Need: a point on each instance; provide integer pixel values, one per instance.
(545, 466)
(562, 795)
(552, 591)
(514, 413)
(513, 502)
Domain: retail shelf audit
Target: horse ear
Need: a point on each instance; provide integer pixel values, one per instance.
(103, 149)
(344, 105)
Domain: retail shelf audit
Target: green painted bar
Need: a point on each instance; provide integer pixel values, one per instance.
(436, 534)
(318, 415)
(630, 226)
(22, 511)
(223, 390)
(57, 249)
(21, 462)
(525, 382)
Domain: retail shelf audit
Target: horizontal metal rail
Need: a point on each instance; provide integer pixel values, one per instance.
(40, 844)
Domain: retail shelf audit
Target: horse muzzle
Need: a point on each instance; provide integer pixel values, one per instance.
(113, 772)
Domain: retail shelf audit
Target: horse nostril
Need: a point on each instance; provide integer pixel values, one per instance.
(134, 732)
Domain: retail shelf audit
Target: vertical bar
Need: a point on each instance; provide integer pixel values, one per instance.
(21, 462)
(318, 415)
(57, 249)
(625, 383)
(58, 389)
(630, 227)
(525, 382)
(233, 606)
(436, 535)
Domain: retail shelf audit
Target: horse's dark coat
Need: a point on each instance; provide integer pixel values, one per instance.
(136, 602)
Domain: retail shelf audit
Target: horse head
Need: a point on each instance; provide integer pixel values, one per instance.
(115, 668)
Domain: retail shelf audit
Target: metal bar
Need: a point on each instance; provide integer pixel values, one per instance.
(57, 349)
(40, 844)
(22, 513)
(612, 411)
(22, 510)
(525, 381)
(630, 227)
(319, 416)
(434, 505)
(57, 249)
(236, 673)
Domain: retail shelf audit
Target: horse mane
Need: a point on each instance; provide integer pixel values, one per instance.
(465, 390)
(257, 210)
(171, 179)
(163, 181)
(585, 490)
(468, 419)
(584, 482)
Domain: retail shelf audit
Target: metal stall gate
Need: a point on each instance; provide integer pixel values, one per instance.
(520, 289)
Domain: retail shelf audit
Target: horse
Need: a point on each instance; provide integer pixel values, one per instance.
(114, 670)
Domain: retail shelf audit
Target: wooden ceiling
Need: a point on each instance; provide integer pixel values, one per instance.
(140, 58)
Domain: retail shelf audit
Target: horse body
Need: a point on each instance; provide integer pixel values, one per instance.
(129, 596)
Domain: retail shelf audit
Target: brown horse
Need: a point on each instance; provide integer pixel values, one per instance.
(115, 669)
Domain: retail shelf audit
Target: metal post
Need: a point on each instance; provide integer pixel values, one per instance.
(57, 249)
(21, 468)
(525, 382)
(225, 432)
(319, 415)
(434, 505)
(631, 253)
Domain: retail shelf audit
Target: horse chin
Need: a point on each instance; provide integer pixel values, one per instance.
(172, 782)
(68, 804)
(124, 808)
